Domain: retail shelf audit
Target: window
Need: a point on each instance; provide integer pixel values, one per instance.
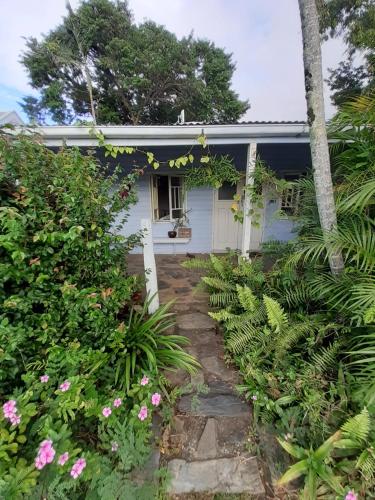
(227, 191)
(290, 198)
(167, 197)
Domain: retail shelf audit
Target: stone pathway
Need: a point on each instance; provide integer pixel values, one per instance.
(204, 448)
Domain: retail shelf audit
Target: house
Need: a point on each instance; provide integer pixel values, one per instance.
(283, 146)
(10, 118)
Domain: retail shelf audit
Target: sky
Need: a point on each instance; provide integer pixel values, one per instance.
(264, 37)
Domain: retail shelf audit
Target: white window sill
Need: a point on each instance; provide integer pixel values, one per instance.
(162, 241)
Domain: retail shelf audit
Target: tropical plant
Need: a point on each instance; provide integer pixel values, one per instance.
(145, 344)
(302, 337)
(346, 451)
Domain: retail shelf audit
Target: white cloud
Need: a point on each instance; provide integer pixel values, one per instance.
(263, 35)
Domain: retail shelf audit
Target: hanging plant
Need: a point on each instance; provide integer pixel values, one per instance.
(215, 170)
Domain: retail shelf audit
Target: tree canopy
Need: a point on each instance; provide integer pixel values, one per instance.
(355, 21)
(140, 74)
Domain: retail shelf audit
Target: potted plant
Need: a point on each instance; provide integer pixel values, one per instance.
(177, 223)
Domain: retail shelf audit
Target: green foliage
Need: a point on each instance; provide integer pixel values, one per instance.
(215, 171)
(145, 344)
(141, 73)
(338, 452)
(304, 339)
(67, 313)
(354, 21)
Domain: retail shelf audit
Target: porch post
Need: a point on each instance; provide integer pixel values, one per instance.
(150, 265)
(246, 227)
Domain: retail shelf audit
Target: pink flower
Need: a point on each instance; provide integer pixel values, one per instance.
(78, 467)
(142, 413)
(254, 397)
(114, 446)
(44, 378)
(106, 411)
(144, 380)
(65, 386)
(39, 462)
(15, 419)
(9, 409)
(46, 444)
(10, 406)
(47, 455)
(117, 402)
(155, 399)
(351, 495)
(63, 458)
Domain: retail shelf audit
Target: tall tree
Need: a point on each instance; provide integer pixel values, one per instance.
(99, 62)
(354, 21)
(312, 58)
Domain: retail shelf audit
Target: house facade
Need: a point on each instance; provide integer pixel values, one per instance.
(162, 198)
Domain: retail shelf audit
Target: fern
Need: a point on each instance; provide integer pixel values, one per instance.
(240, 340)
(254, 318)
(217, 265)
(277, 318)
(197, 263)
(290, 337)
(357, 428)
(366, 463)
(222, 299)
(218, 284)
(246, 298)
(326, 359)
(222, 315)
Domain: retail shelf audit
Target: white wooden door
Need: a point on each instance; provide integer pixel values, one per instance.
(227, 233)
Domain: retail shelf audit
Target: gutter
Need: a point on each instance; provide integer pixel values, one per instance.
(155, 135)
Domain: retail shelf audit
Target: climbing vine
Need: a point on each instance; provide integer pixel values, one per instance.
(216, 171)
(262, 178)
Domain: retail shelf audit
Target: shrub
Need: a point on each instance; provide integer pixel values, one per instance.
(72, 342)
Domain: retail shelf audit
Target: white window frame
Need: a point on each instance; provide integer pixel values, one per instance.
(172, 197)
(290, 200)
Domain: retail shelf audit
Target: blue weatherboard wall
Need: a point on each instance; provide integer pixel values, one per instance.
(276, 228)
(198, 201)
(282, 158)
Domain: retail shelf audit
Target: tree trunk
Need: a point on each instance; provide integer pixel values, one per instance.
(312, 58)
(86, 70)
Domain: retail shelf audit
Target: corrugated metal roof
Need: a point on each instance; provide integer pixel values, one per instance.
(250, 122)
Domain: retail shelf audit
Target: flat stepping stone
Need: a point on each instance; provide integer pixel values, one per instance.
(223, 475)
(217, 367)
(195, 321)
(213, 405)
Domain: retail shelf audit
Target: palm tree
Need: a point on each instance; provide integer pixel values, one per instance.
(312, 58)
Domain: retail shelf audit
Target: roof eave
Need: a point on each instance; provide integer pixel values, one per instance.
(153, 135)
